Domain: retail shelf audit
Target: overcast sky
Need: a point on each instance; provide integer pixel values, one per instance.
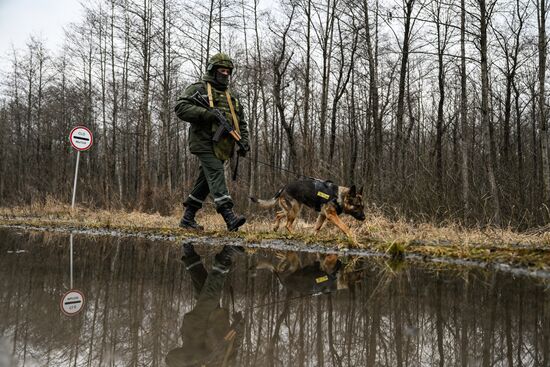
(43, 18)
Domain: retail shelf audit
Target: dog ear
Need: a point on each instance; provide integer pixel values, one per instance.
(352, 190)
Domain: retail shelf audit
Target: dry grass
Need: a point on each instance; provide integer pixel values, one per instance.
(402, 231)
(376, 232)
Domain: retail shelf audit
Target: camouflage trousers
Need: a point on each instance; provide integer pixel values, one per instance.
(211, 180)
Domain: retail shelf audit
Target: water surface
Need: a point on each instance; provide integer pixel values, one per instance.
(138, 294)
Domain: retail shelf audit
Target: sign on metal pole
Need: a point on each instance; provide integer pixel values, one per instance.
(72, 302)
(81, 138)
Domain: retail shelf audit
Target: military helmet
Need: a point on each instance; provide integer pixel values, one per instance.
(220, 60)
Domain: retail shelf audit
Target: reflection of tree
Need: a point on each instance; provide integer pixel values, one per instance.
(276, 333)
(336, 360)
(464, 322)
(319, 323)
(489, 321)
(134, 290)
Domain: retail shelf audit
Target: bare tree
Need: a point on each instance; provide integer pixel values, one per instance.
(542, 12)
(280, 66)
(485, 14)
(408, 6)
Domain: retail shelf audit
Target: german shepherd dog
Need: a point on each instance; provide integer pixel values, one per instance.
(327, 198)
(324, 274)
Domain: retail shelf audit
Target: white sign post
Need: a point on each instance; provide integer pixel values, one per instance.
(81, 139)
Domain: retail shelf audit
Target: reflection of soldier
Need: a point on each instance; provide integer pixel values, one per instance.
(208, 337)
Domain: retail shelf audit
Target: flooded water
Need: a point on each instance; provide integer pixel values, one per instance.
(144, 308)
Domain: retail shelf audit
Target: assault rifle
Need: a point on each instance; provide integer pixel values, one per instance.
(225, 126)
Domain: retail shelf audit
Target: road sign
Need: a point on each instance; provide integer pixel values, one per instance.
(72, 302)
(81, 138)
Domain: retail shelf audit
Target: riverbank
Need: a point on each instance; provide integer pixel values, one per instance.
(376, 234)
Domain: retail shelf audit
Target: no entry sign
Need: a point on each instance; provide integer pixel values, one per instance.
(81, 138)
(72, 302)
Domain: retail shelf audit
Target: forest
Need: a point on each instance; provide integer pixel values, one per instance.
(439, 109)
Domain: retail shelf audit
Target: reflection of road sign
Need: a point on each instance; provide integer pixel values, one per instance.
(72, 302)
(81, 138)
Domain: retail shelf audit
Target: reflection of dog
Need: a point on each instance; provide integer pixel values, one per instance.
(325, 197)
(322, 276)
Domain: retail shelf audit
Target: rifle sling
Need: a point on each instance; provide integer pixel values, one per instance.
(233, 114)
(209, 91)
(231, 108)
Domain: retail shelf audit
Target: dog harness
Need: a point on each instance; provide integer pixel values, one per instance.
(326, 192)
(313, 193)
(311, 279)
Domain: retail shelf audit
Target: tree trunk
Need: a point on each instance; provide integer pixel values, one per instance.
(485, 114)
(441, 48)
(279, 69)
(166, 114)
(343, 79)
(308, 148)
(326, 47)
(542, 47)
(402, 81)
(145, 130)
(114, 169)
(374, 98)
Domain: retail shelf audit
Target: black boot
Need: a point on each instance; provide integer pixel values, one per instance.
(189, 257)
(188, 250)
(188, 219)
(225, 256)
(232, 220)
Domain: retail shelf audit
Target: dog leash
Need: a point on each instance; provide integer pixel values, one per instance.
(307, 295)
(282, 169)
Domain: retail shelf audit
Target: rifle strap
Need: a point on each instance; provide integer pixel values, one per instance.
(232, 109)
(229, 102)
(209, 91)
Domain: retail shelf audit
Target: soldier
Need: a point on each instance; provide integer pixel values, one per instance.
(212, 155)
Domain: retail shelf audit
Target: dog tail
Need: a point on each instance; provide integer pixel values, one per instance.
(269, 203)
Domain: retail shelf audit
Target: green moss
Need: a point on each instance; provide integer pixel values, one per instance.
(396, 250)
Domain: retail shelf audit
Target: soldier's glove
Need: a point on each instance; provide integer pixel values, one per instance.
(237, 318)
(209, 118)
(242, 152)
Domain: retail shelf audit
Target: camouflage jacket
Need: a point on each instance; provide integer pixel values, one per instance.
(200, 132)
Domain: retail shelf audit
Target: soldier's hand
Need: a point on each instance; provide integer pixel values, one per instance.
(237, 317)
(209, 118)
(242, 152)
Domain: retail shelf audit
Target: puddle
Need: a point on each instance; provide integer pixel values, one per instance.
(144, 308)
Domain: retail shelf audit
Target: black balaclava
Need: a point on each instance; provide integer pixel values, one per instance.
(221, 79)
